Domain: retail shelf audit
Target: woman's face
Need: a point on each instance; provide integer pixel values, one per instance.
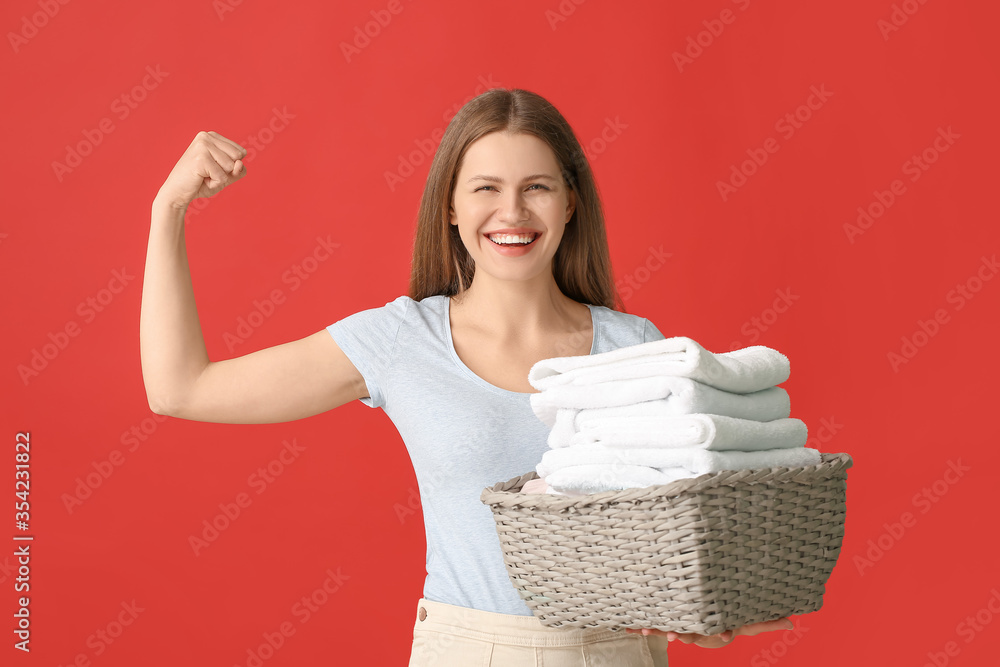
(510, 188)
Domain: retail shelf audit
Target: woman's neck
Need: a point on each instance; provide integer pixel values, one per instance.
(512, 310)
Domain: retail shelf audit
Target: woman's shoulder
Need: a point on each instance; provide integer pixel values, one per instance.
(618, 329)
(405, 303)
(616, 317)
(425, 313)
(402, 312)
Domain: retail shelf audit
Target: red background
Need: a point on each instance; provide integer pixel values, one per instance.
(680, 130)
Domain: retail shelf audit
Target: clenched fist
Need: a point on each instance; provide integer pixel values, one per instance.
(208, 165)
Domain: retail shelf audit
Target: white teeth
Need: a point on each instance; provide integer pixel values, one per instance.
(511, 238)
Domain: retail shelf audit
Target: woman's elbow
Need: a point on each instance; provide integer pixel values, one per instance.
(159, 404)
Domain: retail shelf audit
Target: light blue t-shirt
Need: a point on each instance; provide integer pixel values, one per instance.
(462, 433)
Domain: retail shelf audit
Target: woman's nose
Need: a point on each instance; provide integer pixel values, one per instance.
(512, 207)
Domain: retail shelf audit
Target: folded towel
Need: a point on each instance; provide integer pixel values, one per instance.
(715, 432)
(613, 394)
(539, 485)
(549, 489)
(672, 474)
(668, 395)
(685, 397)
(694, 459)
(741, 371)
(564, 427)
(595, 478)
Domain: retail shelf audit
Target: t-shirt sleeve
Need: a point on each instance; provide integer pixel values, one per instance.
(368, 338)
(651, 333)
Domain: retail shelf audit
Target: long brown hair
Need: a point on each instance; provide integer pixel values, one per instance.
(441, 264)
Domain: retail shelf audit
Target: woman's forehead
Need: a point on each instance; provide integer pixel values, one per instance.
(517, 155)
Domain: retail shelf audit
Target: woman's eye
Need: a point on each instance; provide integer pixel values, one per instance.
(482, 187)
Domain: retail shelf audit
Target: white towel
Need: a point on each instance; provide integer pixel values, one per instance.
(594, 478)
(592, 471)
(741, 371)
(685, 397)
(714, 432)
(673, 395)
(672, 474)
(564, 427)
(612, 394)
(549, 489)
(693, 458)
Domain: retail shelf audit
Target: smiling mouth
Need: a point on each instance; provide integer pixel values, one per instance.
(507, 240)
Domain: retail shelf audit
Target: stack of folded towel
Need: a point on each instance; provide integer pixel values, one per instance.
(656, 412)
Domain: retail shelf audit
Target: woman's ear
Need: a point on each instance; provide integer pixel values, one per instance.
(451, 215)
(571, 206)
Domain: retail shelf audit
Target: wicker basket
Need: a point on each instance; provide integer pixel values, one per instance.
(701, 555)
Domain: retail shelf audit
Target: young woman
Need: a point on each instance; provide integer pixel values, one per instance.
(510, 266)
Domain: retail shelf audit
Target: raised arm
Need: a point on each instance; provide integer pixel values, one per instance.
(281, 383)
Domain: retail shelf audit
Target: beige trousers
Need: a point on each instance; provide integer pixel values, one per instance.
(448, 636)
